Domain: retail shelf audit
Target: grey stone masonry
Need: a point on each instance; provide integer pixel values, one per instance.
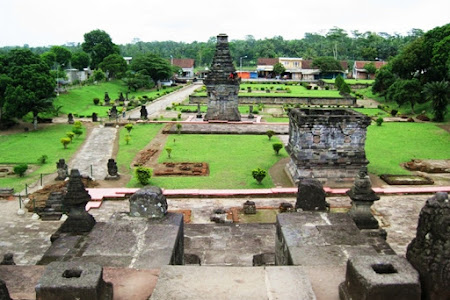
(380, 277)
(326, 144)
(319, 239)
(222, 85)
(148, 202)
(68, 280)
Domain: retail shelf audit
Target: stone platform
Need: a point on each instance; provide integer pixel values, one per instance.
(323, 239)
(188, 282)
(123, 241)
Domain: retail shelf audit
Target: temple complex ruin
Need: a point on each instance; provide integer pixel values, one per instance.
(326, 144)
(222, 85)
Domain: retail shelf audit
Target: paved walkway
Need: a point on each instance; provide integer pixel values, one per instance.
(154, 108)
(96, 151)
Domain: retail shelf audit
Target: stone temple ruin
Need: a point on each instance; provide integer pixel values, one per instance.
(326, 144)
(222, 85)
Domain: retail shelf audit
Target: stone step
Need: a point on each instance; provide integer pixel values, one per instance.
(194, 282)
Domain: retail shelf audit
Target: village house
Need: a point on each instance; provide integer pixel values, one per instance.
(186, 64)
(360, 73)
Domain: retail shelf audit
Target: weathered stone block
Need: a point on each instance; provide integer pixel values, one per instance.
(73, 280)
(311, 196)
(148, 202)
(380, 277)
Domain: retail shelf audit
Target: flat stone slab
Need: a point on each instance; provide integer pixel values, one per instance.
(189, 282)
(320, 239)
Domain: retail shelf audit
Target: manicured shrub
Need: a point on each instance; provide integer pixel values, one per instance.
(129, 127)
(96, 101)
(179, 116)
(270, 134)
(259, 174)
(379, 121)
(179, 126)
(20, 169)
(77, 131)
(127, 139)
(43, 159)
(277, 147)
(70, 135)
(143, 175)
(169, 151)
(394, 112)
(65, 141)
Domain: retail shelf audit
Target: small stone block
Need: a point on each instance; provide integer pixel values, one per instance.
(380, 277)
(73, 280)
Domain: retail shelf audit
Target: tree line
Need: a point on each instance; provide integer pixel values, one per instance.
(336, 42)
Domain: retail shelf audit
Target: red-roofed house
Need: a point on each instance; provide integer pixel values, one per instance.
(186, 64)
(360, 73)
(264, 66)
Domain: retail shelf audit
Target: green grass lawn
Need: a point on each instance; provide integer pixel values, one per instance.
(231, 159)
(372, 112)
(296, 91)
(27, 147)
(79, 100)
(391, 144)
(141, 135)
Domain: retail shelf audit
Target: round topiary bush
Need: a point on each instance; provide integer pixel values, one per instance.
(20, 169)
(143, 175)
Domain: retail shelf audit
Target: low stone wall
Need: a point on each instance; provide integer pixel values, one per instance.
(356, 86)
(283, 100)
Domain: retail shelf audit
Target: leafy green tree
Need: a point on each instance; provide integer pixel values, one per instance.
(327, 64)
(5, 81)
(98, 45)
(99, 75)
(278, 69)
(115, 65)
(338, 81)
(438, 92)
(80, 60)
(31, 88)
(49, 58)
(406, 91)
(370, 68)
(62, 55)
(153, 66)
(379, 121)
(137, 80)
(344, 89)
(384, 79)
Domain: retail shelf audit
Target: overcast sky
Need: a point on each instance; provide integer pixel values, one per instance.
(57, 22)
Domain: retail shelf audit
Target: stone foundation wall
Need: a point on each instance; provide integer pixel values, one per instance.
(283, 100)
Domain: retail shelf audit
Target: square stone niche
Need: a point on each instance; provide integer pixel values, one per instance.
(327, 144)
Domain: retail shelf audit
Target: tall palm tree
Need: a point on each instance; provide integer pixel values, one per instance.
(438, 92)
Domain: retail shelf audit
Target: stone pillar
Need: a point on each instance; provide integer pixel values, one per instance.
(4, 293)
(70, 118)
(429, 251)
(249, 207)
(106, 99)
(222, 85)
(75, 200)
(363, 197)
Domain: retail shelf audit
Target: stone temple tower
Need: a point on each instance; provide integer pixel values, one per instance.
(222, 85)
